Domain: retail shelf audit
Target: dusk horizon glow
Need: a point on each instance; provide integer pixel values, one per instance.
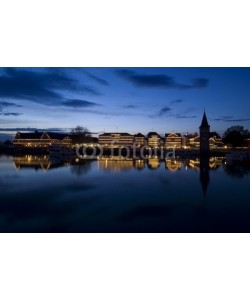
(123, 99)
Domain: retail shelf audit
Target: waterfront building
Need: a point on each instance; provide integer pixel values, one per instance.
(173, 140)
(41, 139)
(215, 141)
(193, 141)
(116, 140)
(154, 140)
(139, 140)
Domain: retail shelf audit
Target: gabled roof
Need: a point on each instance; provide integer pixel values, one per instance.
(153, 133)
(204, 123)
(139, 135)
(38, 135)
(173, 133)
(191, 135)
(214, 134)
(111, 133)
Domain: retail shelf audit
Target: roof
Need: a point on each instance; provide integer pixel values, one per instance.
(204, 122)
(173, 133)
(37, 135)
(109, 133)
(139, 135)
(153, 133)
(214, 134)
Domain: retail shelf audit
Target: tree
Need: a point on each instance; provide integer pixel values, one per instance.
(80, 135)
(82, 131)
(235, 136)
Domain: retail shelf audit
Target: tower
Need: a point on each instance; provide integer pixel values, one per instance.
(204, 135)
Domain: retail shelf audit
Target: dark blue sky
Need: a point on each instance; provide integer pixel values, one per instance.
(124, 99)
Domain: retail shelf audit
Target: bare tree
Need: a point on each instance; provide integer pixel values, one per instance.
(81, 131)
(80, 135)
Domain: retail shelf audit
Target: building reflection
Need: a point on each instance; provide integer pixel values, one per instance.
(139, 164)
(172, 165)
(43, 162)
(31, 161)
(119, 164)
(115, 164)
(154, 163)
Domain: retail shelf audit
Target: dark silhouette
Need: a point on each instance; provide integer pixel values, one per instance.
(236, 136)
(237, 170)
(79, 130)
(80, 135)
(204, 173)
(204, 135)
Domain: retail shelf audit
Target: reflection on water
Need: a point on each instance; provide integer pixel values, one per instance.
(113, 194)
(204, 173)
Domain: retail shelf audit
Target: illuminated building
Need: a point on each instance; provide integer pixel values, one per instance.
(41, 139)
(193, 141)
(154, 140)
(248, 142)
(116, 140)
(215, 141)
(173, 140)
(139, 140)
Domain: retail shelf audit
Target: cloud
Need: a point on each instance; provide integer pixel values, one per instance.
(79, 103)
(130, 106)
(180, 116)
(158, 80)
(199, 83)
(177, 101)
(167, 111)
(32, 129)
(8, 104)
(223, 118)
(43, 86)
(231, 119)
(98, 79)
(164, 111)
(14, 114)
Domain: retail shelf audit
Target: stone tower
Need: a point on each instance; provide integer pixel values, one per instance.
(204, 135)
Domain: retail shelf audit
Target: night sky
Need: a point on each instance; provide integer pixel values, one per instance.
(124, 99)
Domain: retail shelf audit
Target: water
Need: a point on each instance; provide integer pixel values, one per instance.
(42, 195)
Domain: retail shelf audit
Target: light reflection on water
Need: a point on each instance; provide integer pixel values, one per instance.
(39, 194)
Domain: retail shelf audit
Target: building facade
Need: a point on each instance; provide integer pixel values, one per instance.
(173, 140)
(139, 140)
(116, 140)
(215, 141)
(41, 139)
(191, 141)
(154, 140)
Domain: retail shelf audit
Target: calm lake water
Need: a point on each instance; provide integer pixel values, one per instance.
(42, 195)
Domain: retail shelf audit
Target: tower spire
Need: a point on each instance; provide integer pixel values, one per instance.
(204, 123)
